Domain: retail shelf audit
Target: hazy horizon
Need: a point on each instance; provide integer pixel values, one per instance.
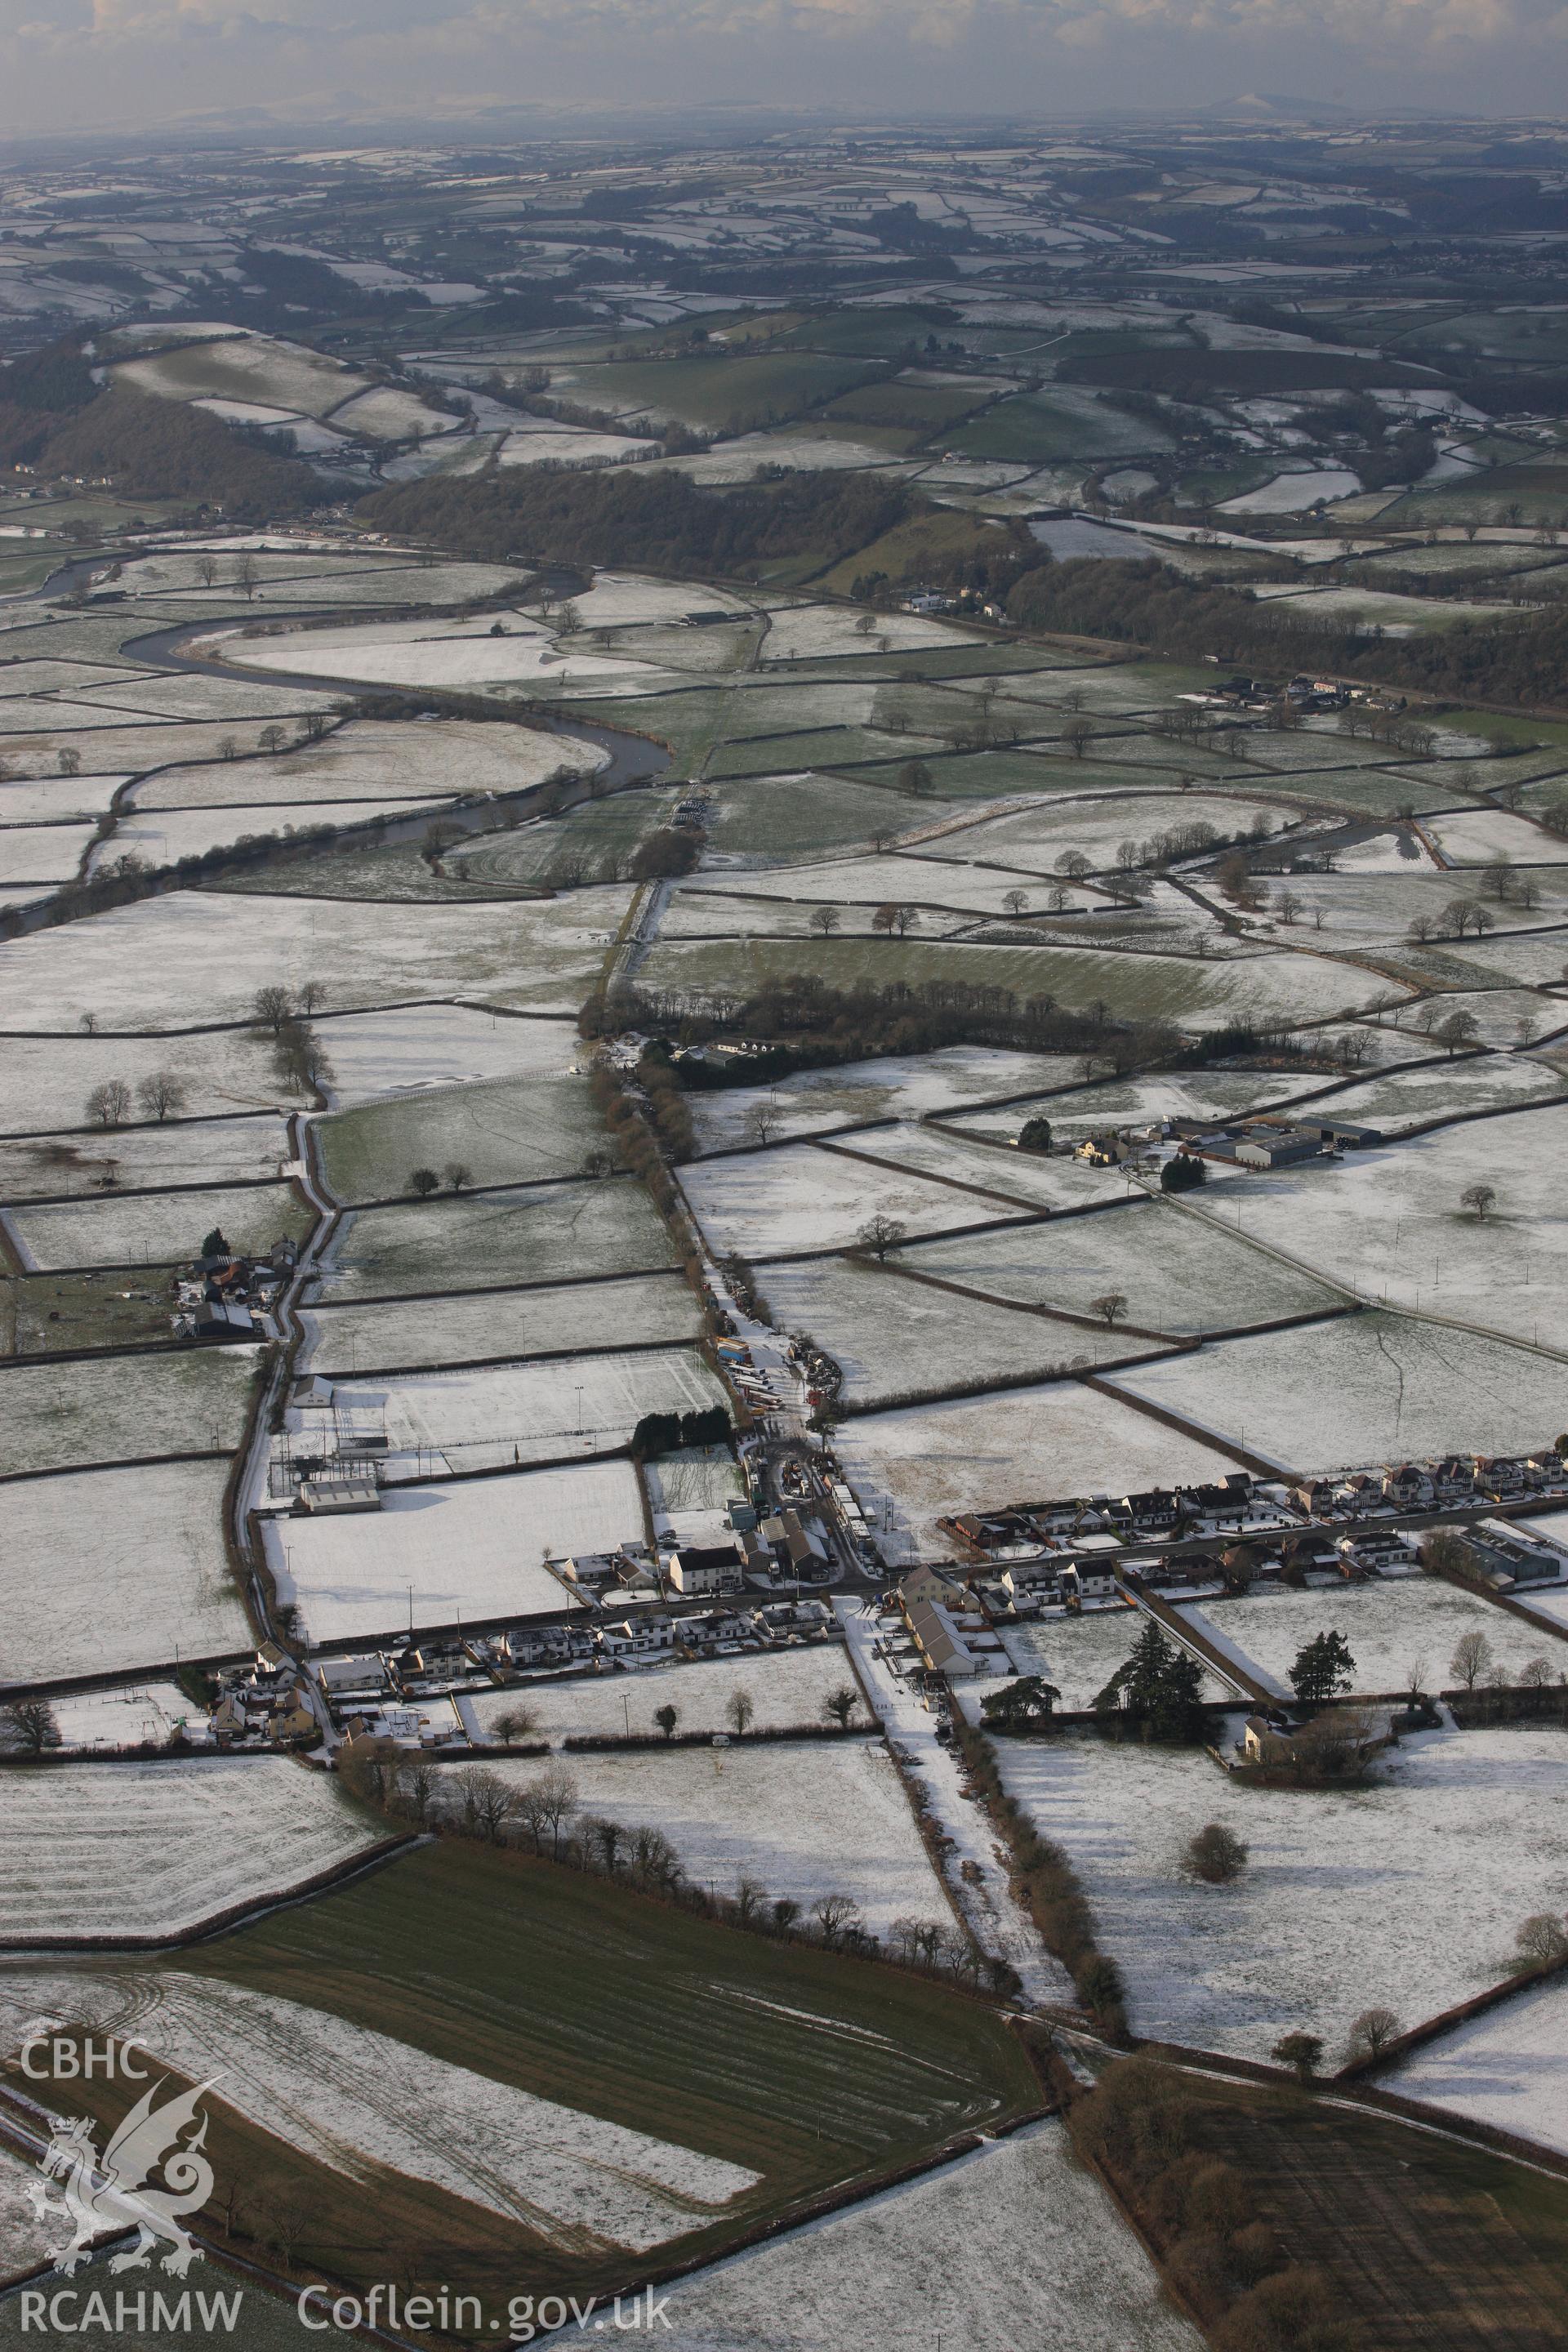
(121, 66)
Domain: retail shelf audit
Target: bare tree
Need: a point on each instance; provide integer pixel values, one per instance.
(310, 998)
(109, 1105)
(70, 763)
(247, 574)
(1479, 1199)
(835, 1915)
(458, 1175)
(1541, 1940)
(1110, 1307)
(880, 1234)
(516, 1722)
(1370, 2034)
(1074, 865)
(1016, 902)
(207, 569)
(489, 1804)
(272, 1006)
(825, 921)
(604, 1840)
(28, 1727)
(1078, 734)
(763, 1123)
(840, 1705)
(272, 737)
(1472, 1658)
(739, 1709)
(228, 747)
(545, 1806)
(751, 1899)
(161, 1094)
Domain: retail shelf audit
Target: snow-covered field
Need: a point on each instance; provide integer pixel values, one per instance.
(517, 1412)
(1034, 838)
(621, 599)
(419, 1045)
(1392, 1223)
(213, 1151)
(1508, 2067)
(370, 759)
(45, 1081)
(124, 1715)
(538, 1233)
(1023, 1178)
(1475, 837)
(200, 956)
(99, 1410)
(1396, 1098)
(806, 1819)
(433, 1555)
(895, 1336)
(788, 1686)
(432, 653)
(435, 1331)
(101, 1569)
(813, 632)
(503, 1130)
(860, 885)
(42, 853)
(1405, 1625)
(150, 1849)
(1177, 1275)
(157, 1228)
(1218, 1095)
(1367, 1388)
(245, 367)
(1405, 1894)
(769, 1203)
(344, 2094)
(164, 836)
(1013, 2245)
(910, 1467)
(903, 1086)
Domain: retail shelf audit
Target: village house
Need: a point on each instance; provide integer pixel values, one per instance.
(699, 1571)
(644, 1638)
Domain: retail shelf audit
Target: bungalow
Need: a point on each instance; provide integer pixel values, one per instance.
(363, 1677)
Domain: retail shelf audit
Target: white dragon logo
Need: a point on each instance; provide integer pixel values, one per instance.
(111, 2193)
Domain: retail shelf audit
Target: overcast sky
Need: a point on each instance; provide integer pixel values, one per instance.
(84, 64)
